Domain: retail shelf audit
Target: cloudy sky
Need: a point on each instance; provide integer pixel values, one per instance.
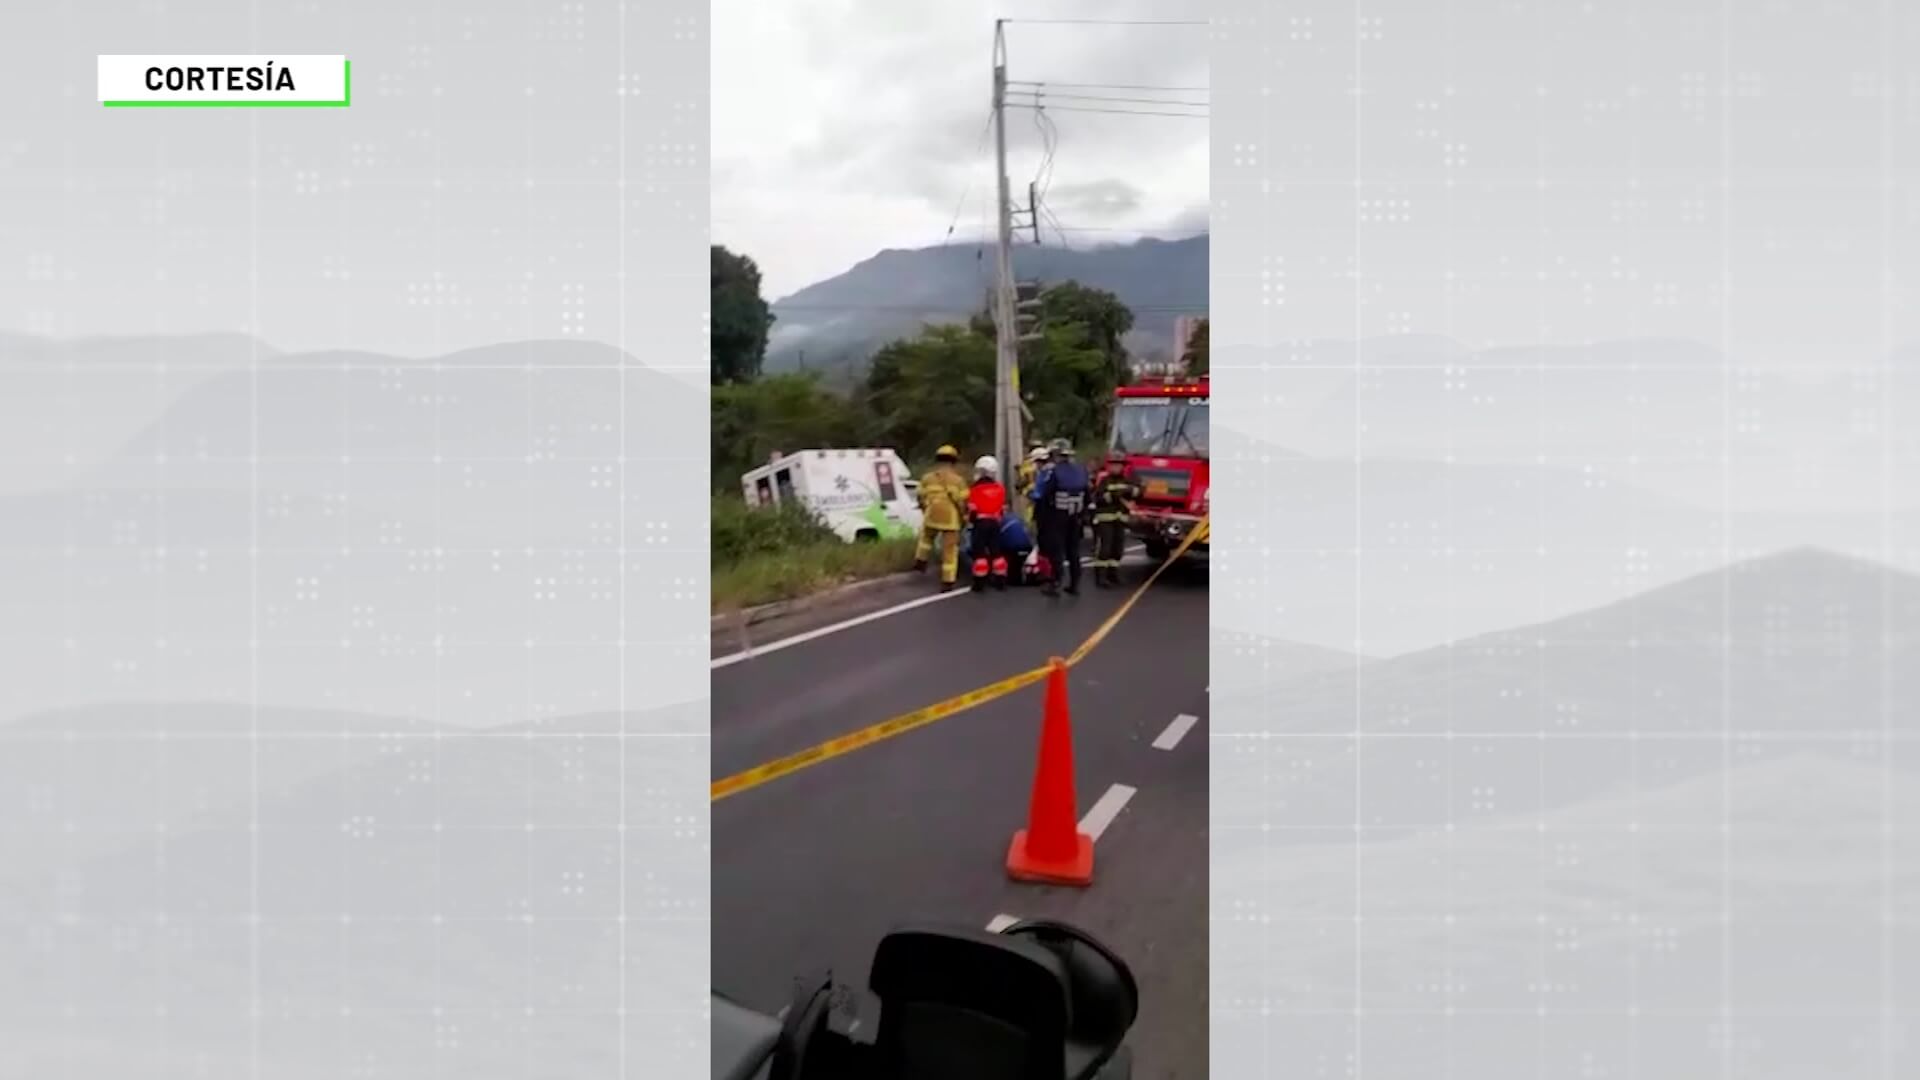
(843, 127)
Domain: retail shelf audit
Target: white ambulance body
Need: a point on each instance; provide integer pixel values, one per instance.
(862, 494)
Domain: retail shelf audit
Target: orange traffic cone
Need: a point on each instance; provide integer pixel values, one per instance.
(1052, 849)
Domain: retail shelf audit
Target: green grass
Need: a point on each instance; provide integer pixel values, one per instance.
(766, 577)
(764, 555)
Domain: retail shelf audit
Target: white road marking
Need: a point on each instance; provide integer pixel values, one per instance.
(814, 635)
(1108, 807)
(1001, 922)
(1176, 731)
(858, 620)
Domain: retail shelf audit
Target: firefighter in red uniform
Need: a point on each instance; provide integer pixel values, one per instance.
(986, 505)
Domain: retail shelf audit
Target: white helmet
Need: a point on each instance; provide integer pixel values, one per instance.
(1039, 454)
(987, 466)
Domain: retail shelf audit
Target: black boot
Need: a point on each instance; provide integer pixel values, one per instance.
(919, 566)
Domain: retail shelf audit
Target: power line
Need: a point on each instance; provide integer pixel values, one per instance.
(1117, 100)
(961, 206)
(1054, 219)
(1111, 86)
(1108, 22)
(1112, 229)
(1043, 180)
(944, 309)
(1116, 112)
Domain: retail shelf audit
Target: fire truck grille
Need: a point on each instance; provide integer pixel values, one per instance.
(1164, 485)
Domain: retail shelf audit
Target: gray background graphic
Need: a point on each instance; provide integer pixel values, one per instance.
(1567, 695)
(352, 558)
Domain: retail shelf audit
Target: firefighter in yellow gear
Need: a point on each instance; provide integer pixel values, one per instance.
(1113, 494)
(943, 501)
(1024, 475)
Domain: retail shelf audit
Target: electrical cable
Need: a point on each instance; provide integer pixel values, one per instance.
(1114, 112)
(1108, 22)
(1111, 86)
(961, 206)
(1117, 100)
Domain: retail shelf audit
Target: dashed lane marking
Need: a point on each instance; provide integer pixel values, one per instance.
(1105, 809)
(1176, 731)
(1001, 922)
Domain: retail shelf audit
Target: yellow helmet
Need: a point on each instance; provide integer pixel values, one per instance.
(946, 453)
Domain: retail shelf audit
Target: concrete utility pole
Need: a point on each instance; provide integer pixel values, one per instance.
(1007, 412)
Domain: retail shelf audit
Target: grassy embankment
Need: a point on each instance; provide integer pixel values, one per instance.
(760, 556)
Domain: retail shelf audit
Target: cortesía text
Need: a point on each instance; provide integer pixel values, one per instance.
(220, 78)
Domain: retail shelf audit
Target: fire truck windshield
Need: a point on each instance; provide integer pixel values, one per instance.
(1190, 436)
(1165, 426)
(1140, 425)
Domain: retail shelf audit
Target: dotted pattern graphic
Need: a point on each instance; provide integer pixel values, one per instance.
(352, 563)
(1565, 687)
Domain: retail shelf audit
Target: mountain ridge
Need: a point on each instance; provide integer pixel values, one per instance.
(836, 324)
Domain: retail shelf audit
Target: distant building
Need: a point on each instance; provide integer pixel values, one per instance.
(1183, 328)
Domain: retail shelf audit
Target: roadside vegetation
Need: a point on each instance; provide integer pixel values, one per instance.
(916, 393)
(764, 555)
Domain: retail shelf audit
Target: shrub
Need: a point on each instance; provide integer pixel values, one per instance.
(740, 531)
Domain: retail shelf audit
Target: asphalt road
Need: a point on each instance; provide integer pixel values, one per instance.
(810, 870)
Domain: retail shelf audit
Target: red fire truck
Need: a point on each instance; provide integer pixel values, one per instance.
(1160, 440)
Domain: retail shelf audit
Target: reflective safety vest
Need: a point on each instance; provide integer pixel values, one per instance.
(987, 499)
(1110, 498)
(1063, 489)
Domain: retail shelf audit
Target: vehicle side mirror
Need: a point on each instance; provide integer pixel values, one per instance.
(957, 1003)
(1104, 995)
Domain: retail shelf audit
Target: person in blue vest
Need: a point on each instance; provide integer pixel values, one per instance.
(1016, 544)
(1060, 504)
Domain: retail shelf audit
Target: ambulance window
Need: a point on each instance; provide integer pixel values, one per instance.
(764, 489)
(784, 479)
(883, 472)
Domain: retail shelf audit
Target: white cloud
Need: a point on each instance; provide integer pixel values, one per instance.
(843, 127)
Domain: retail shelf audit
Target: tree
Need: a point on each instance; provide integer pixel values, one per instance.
(793, 411)
(1106, 320)
(932, 389)
(1195, 358)
(1067, 377)
(741, 319)
(1067, 380)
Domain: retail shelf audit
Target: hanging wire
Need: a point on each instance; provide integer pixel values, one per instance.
(961, 206)
(1111, 86)
(1116, 112)
(1107, 22)
(1044, 95)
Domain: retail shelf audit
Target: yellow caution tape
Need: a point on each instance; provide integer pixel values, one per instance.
(867, 736)
(918, 718)
(1100, 633)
